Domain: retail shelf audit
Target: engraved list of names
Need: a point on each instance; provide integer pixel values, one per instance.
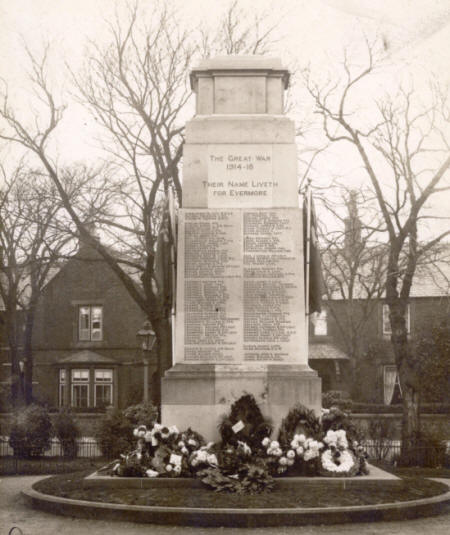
(240, 286)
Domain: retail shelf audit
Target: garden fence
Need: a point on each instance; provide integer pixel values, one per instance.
(52, 461)
(389, 450)
(86, 447)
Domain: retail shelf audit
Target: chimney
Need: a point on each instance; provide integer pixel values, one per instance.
(84, 247)
(352, 223)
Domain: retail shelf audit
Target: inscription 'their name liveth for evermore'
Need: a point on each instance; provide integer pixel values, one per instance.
(241, 285)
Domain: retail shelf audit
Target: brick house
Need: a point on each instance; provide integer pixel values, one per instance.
(86, 354)
(376, 378)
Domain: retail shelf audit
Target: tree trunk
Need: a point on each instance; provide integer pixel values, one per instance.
(409, 382)
(28, 355)
(164, 348)
(410, 426)
(17, 398)
(12, 329)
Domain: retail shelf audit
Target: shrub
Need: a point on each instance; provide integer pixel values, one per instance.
(381, 433)
(30, 432)
(337, 398)
(141, 414)
(67, 432)
(114, 435)
(432, 350)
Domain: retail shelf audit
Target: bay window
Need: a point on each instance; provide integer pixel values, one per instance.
(87, 387)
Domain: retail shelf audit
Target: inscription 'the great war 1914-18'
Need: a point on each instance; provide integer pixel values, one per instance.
(240, 173)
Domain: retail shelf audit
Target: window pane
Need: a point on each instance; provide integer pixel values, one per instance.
(96, 334)
(103, 395)
(103, 376)
(84, 317)
(96, 316)
(84, 322)
(90, 323)
(62, 391)
(320, 323)
(390, 374)
(80, 376)
(62, 376)
(96, 323)
(387, 323)
(80, 395)
(408, 319)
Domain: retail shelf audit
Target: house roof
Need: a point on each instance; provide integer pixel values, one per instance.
(86, 357)
(431, 279)
(326, 352)
(24, 288)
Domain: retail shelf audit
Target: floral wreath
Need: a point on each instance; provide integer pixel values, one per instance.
(338, 463)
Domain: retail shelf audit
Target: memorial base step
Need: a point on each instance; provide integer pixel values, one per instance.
(197, 396)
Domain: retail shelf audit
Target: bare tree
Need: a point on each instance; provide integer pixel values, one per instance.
(137, 89)
(234, 37)
(354, 268)
(404, 152)
(32, 241)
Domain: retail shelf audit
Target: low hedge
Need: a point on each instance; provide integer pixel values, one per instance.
(80, 410)
(378, 408)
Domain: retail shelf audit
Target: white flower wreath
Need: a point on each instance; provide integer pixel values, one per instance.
(344, 468)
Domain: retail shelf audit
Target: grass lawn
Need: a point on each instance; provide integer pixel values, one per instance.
(69, 486)
(413, 471)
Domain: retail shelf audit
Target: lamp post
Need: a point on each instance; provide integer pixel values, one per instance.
(147, 338)
(21, 380)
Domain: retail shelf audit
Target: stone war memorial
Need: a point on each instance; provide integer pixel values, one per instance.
(240, 322)
(241, 350)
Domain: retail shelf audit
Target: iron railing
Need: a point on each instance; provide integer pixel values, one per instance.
(425, 456)
(377, 450)
(86, 447)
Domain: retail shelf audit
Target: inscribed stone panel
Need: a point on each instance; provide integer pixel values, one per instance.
(240, 295)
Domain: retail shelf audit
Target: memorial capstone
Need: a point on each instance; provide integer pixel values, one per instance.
(240, 321)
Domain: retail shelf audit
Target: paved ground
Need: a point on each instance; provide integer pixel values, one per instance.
(14, 512)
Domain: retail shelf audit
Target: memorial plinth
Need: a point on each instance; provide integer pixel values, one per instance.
(240, 322)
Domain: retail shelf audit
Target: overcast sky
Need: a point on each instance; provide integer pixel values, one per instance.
(416, 34)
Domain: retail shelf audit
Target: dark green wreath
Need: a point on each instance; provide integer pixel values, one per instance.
(256, 427)
(300, 420)
(337, 419)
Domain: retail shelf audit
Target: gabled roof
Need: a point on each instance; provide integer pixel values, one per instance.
(87, 254)
(86, 357)
(326, 352)
(24, 288)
